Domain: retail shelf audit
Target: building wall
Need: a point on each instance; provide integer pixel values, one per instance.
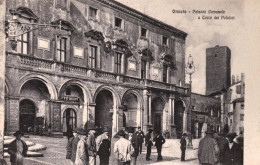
(217, 68)
(41, 63)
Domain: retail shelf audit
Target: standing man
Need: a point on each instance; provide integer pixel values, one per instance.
(103, 144)
(81, 153)
(148, 143)
(123, 149)
(72, 147)
(17, 149)
(183, 146)
(135, 141)
(222, 145)
(91, 142)
(140, 138)
(208, 149)
(233, 154)
(159, 141)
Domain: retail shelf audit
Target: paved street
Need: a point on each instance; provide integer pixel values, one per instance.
(56, 152)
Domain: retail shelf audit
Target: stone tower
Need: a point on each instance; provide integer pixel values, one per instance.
(218, 72)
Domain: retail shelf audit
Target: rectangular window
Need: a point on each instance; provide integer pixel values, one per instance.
(242, 106)
(118, 22)
(143, 69)
(143, 32)
(241, 117)
(92, 12)
(61, 49)
(164, 73)
(23, 43)
(118, 57)
(238, 89)
(165, 40)
(93, 57)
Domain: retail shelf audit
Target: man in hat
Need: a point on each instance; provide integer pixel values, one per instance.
(233, 153)
(183, 146)
(72, 146)
(91, 142)
(159, 141)
(148, 143)
(140, 138)
(17, 149)
(123, 149)
(81, 153)
(103, 144)
(222, 144)
(135, 141)
(208, 149)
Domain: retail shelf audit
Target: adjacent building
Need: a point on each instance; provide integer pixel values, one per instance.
(74, 61)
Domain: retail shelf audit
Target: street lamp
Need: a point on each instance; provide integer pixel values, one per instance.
(190, 69)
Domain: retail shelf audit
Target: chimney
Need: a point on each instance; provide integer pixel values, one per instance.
(242, 84)
(233, 79)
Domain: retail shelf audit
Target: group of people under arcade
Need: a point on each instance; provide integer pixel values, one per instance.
(82, 149)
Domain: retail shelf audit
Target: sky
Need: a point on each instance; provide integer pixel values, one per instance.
(202, 33)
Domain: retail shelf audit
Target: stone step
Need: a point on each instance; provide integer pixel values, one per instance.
(29, 154)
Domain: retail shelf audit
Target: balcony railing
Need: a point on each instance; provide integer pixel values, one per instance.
(18, 60)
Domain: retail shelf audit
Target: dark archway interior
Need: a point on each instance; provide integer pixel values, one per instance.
(130, 113)
(104, 110)
(27, 115)
(157, 111)
(178, 117)
(69, 120)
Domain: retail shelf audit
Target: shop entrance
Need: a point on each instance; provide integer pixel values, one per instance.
(69, 120)
(27, 116)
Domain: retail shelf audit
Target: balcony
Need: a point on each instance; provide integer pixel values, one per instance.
(48, 66)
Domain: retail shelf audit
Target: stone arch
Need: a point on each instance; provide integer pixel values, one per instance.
(86, 92)
(117, 100)
(179, 116)
(50, 86)
(137, 94)
(157, 111)
(7, 86)
(132, 104)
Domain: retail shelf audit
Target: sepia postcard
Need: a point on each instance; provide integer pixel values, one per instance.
(129, 82)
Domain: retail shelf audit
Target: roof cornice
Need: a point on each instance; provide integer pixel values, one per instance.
(119, 6)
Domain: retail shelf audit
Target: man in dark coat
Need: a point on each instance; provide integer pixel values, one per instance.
(103, 144)
(183, 146)
(233, 153)
(91, 143)
(72, 146)
(159, 141)
(140, 138)
(148, 143)
(222, 145)
(17, 149)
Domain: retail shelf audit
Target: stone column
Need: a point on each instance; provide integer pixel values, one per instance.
(14, 114)
(146, 122)
(171, 125)
(85, 113)
(150, 109)
(91, 112)
(185, 122)
(139, 117)
(55, 109)
(117, 119)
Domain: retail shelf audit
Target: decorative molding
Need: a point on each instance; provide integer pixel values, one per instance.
(168, 60)
(78, 52)
(132, 63)
(107, 47)
(146, 54)
(120, 43)
(24, 12)
(63, 24)
(96, 35)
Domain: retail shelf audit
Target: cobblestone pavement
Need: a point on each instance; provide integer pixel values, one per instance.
(56, 152)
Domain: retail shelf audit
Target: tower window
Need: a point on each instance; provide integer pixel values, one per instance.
(164, 40)
(92, 12)
(118, 22)
(143, 32)
(143, 69)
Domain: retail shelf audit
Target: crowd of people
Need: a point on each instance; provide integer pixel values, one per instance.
(221, 149)
(83, 148)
